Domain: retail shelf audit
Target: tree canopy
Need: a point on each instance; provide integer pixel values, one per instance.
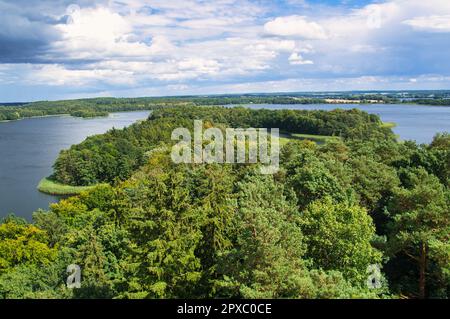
(312, 230)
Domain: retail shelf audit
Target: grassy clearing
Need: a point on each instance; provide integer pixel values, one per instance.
(53, 188)
(316, 138)
(389, 124)
(284, 140)
(319, 139)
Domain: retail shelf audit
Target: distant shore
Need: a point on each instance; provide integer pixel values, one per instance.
(68, 114)
(300, 101)
(34, 117)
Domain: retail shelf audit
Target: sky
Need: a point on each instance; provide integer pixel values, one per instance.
(59, 49)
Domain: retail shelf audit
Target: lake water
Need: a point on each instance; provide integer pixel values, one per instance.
(29, 147)
(414, 122)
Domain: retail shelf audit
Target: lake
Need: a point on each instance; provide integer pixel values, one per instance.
(29, 148)
(414, 122)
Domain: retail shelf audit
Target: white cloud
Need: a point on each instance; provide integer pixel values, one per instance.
(181, 43)
(99, 24)
(295, 26)
(58, 75)
(296, 59)
(307, 84)
(434, 23)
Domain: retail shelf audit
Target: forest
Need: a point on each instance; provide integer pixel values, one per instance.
(156, 229)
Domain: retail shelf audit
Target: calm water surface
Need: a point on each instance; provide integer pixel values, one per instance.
(28, 149)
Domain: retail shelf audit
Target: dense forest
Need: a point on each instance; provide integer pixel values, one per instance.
(312, 230)
(116, 154)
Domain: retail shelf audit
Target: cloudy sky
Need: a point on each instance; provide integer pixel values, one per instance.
(71, 49)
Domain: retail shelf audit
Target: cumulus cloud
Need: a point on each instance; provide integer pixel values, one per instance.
(295, 26)
(139, 46)
(57, 75)
(435, 23)
(296, 59)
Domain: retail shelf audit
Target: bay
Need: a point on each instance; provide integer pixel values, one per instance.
(29, 147)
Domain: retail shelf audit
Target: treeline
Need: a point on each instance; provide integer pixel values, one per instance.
(438, 102)
(383, 98)
(103, 106)
(235, 100)
(313, 230)
(344, 123)
(115, 155)
(78, 108)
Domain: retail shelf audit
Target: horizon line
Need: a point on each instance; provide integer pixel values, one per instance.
(17, 103)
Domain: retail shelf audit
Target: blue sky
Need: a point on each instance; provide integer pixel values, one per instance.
(73, 49)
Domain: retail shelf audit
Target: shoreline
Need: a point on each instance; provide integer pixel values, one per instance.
(390, 125)
(49, 187)
(227, 105)
(36, 117)
(69, 115)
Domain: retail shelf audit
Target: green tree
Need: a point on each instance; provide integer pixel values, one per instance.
(420, 225)
(165, 231)
(311, 180)
(338, 237)
(372, 181)
(21, 243)
(266, 261)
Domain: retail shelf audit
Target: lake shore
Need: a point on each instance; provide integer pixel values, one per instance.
(336, 102)
(70, 115)
(390, 125)
(30, 148)
(50, 187)
(35, 117)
